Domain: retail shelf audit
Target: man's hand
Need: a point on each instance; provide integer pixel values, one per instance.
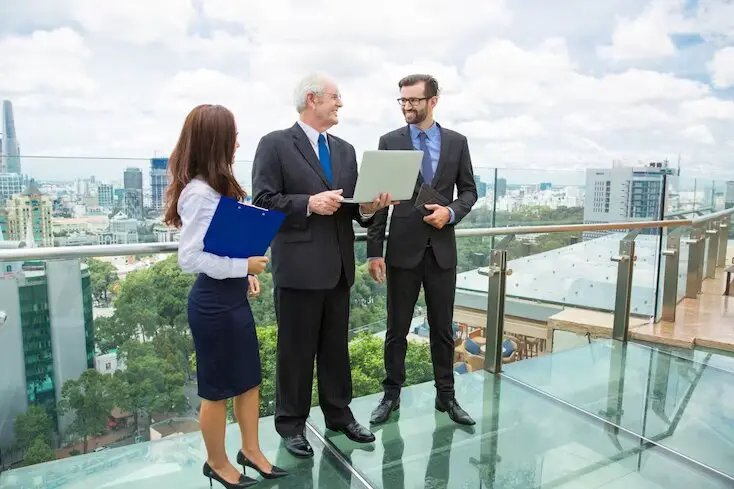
(254, 288)
(439, 217)
(377, 269)
(326, 203)
(381, 201)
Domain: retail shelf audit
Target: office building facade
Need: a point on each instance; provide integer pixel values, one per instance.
(29, 214)
(47, 338)
(133, 183)
(158, 182)
(624, 194)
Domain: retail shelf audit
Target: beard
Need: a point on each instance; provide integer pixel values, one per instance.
(413, 116)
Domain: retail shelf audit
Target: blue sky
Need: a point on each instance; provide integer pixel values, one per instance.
(568, 84)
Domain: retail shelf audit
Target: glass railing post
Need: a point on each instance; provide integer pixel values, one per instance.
(701, 249)
(623, 301)
(670, 277)
(712, 235)
(693, 280)
(723, 240)
(496, 308)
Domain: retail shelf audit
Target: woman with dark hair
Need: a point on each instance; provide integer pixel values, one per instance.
(220, 318)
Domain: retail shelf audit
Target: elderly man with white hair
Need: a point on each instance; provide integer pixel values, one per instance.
(306, 173)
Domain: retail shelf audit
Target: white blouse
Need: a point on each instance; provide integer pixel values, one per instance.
(196, 206)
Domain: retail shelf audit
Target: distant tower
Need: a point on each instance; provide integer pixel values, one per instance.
(133, 178)
(158, 181)
(10, 147)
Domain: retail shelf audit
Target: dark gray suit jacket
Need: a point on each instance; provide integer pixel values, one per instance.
(409, 235)
(309, 252)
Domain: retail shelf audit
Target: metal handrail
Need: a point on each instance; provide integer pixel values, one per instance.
(66, 252)
(697, 221)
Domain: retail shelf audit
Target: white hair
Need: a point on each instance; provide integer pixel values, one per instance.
(315, 84)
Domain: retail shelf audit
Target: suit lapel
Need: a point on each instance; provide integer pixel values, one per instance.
(304, 146)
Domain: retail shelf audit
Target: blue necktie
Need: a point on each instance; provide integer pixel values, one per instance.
(426, 165)
(324, 157)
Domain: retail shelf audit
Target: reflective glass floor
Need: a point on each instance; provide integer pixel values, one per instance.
(646, 404)
(680, 399)
(524, 439)
(176, 463)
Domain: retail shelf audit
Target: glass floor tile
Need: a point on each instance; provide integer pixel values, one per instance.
(680, 399)
(522, 440)
(176, 463)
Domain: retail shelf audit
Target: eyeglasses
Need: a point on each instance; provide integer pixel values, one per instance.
(412, 100)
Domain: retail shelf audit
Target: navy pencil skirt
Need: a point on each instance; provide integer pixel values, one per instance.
(225, 340)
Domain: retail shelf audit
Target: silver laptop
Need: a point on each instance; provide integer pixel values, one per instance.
(389, 171)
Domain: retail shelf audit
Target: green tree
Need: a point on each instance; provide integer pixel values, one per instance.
(31, 425)
(366, 355)
(148, 383)
(38, 452)
(263, 307)
(110, 332)
(153, 302)
(104, 276)
(90, 400)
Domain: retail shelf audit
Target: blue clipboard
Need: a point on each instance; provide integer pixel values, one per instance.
(238, 230)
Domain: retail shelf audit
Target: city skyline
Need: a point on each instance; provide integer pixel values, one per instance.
(570, 88)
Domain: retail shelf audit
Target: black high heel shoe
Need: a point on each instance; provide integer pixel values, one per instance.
(275, 473)
(243, 482)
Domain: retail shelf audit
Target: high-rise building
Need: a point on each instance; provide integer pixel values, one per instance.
(729, 197)
(47, 338)
(133, 182)
(624, 194)
(106, 196)
(501, 189)
(481, 186)
(29, 217)
(10, 148)
(158, 181)
(10, 184)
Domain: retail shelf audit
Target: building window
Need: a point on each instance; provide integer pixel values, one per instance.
(108, 366)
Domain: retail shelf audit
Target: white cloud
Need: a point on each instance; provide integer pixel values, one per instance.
(715, 20)
(52, 61)
(504, 73)
(123, 82)
(722, 67)
(137, 22)
(699, 134)
(511, 128)
(707, 108)
(648, 35)
(429, 25)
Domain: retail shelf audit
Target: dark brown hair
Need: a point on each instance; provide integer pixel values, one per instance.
(206, 149)
(430, 84)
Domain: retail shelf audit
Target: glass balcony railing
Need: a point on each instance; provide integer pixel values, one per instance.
(101, 334)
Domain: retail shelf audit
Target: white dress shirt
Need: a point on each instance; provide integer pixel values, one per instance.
(196, 206)
(313, 137)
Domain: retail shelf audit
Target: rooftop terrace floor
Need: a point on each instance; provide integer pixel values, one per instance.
(604, 415)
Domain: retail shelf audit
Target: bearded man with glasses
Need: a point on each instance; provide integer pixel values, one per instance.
(421, 246)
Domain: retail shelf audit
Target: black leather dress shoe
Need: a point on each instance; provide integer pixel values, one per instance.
(355, 432)
(454, 411)
(298, 446)
(383, 410)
